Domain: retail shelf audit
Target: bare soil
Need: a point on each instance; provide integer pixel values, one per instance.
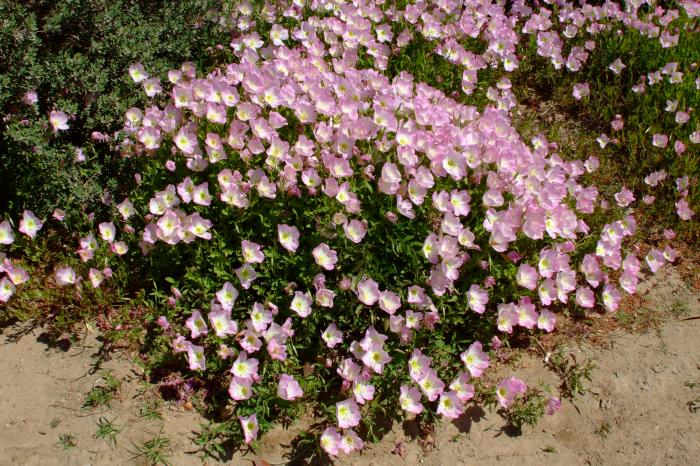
(642, 406)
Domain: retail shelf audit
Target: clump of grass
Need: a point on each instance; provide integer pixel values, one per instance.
(107, 430)
(155, 451)
(104, 393)
(67, 441)
(572, 373)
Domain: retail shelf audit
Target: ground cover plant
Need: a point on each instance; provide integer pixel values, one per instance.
(342, 218)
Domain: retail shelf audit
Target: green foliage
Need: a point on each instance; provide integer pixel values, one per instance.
(76, 54)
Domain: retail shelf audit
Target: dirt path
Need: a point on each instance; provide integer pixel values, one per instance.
(642, 408)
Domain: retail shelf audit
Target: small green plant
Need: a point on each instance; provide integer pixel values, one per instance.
(67, 441)
(603, 430)
(527, 410)
(154, 450)
(104, 393)
(150, 410)
(550, 449)
(54, 422)
(107, 430)
(572, 373)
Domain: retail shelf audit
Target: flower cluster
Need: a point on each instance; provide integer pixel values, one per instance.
(364, 214)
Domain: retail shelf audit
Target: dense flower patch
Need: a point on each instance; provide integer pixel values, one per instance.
(337, 232)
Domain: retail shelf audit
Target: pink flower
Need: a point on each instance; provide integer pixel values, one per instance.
(59, 121)
(581, 90)
(221, 322)
(65, 276)
(227, 296)
(347, 413)
(527, 276)
(6, 235)
(508, 316)
(553, 405)
(330, 441)
(431, 385)
(252, 252)
(196, 324)
(195, 356)
(475, 359)
(30, 224)
(508, 389)
(249, 425)
(246, 274)
(450, 405)
(332, 336)
(288, 388)
(462, 387)
(240, 389)
(477, 299)
(288, 237)
(585, 297)
(376, 358)
(527, 316)
(546, 321)
(659, 140)
(683, 210)
(137, 72)
(611, 297)
(624, 197)
(363, 391)
(350, 442)
(7, 289)
(368, 291)
(418, 365)
(410, 400)
(355, 231)
(389, 302)
(324, 256)
(655, 260)
(301, 304)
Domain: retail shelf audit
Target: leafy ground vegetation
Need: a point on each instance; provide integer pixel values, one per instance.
(350, 208)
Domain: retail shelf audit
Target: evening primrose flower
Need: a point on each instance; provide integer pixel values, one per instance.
(475, 359)
(368, 291)
(246, 274)
(350, 442)
(58, 120)
(221, 322)
(507, 390)
(546, 320)
(240, 389)
(196, 324)
(477, 299)
(324, 256)
(301, 304)
(244, 367)
(6, 234)
(288, 388)
(450, 406)
(347, 413)
(30, 224)
(288, 237)
(227, 296)
(431, 385)
(249, 424)
(409, 399)
(138, 73)
(96, 277)
(330, 441)
(332, 335)
(65, 276)
(462, 387)
(7, 289)
(252, 252)
(196, 358)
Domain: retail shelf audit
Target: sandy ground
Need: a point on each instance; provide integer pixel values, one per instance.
(642, 407)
